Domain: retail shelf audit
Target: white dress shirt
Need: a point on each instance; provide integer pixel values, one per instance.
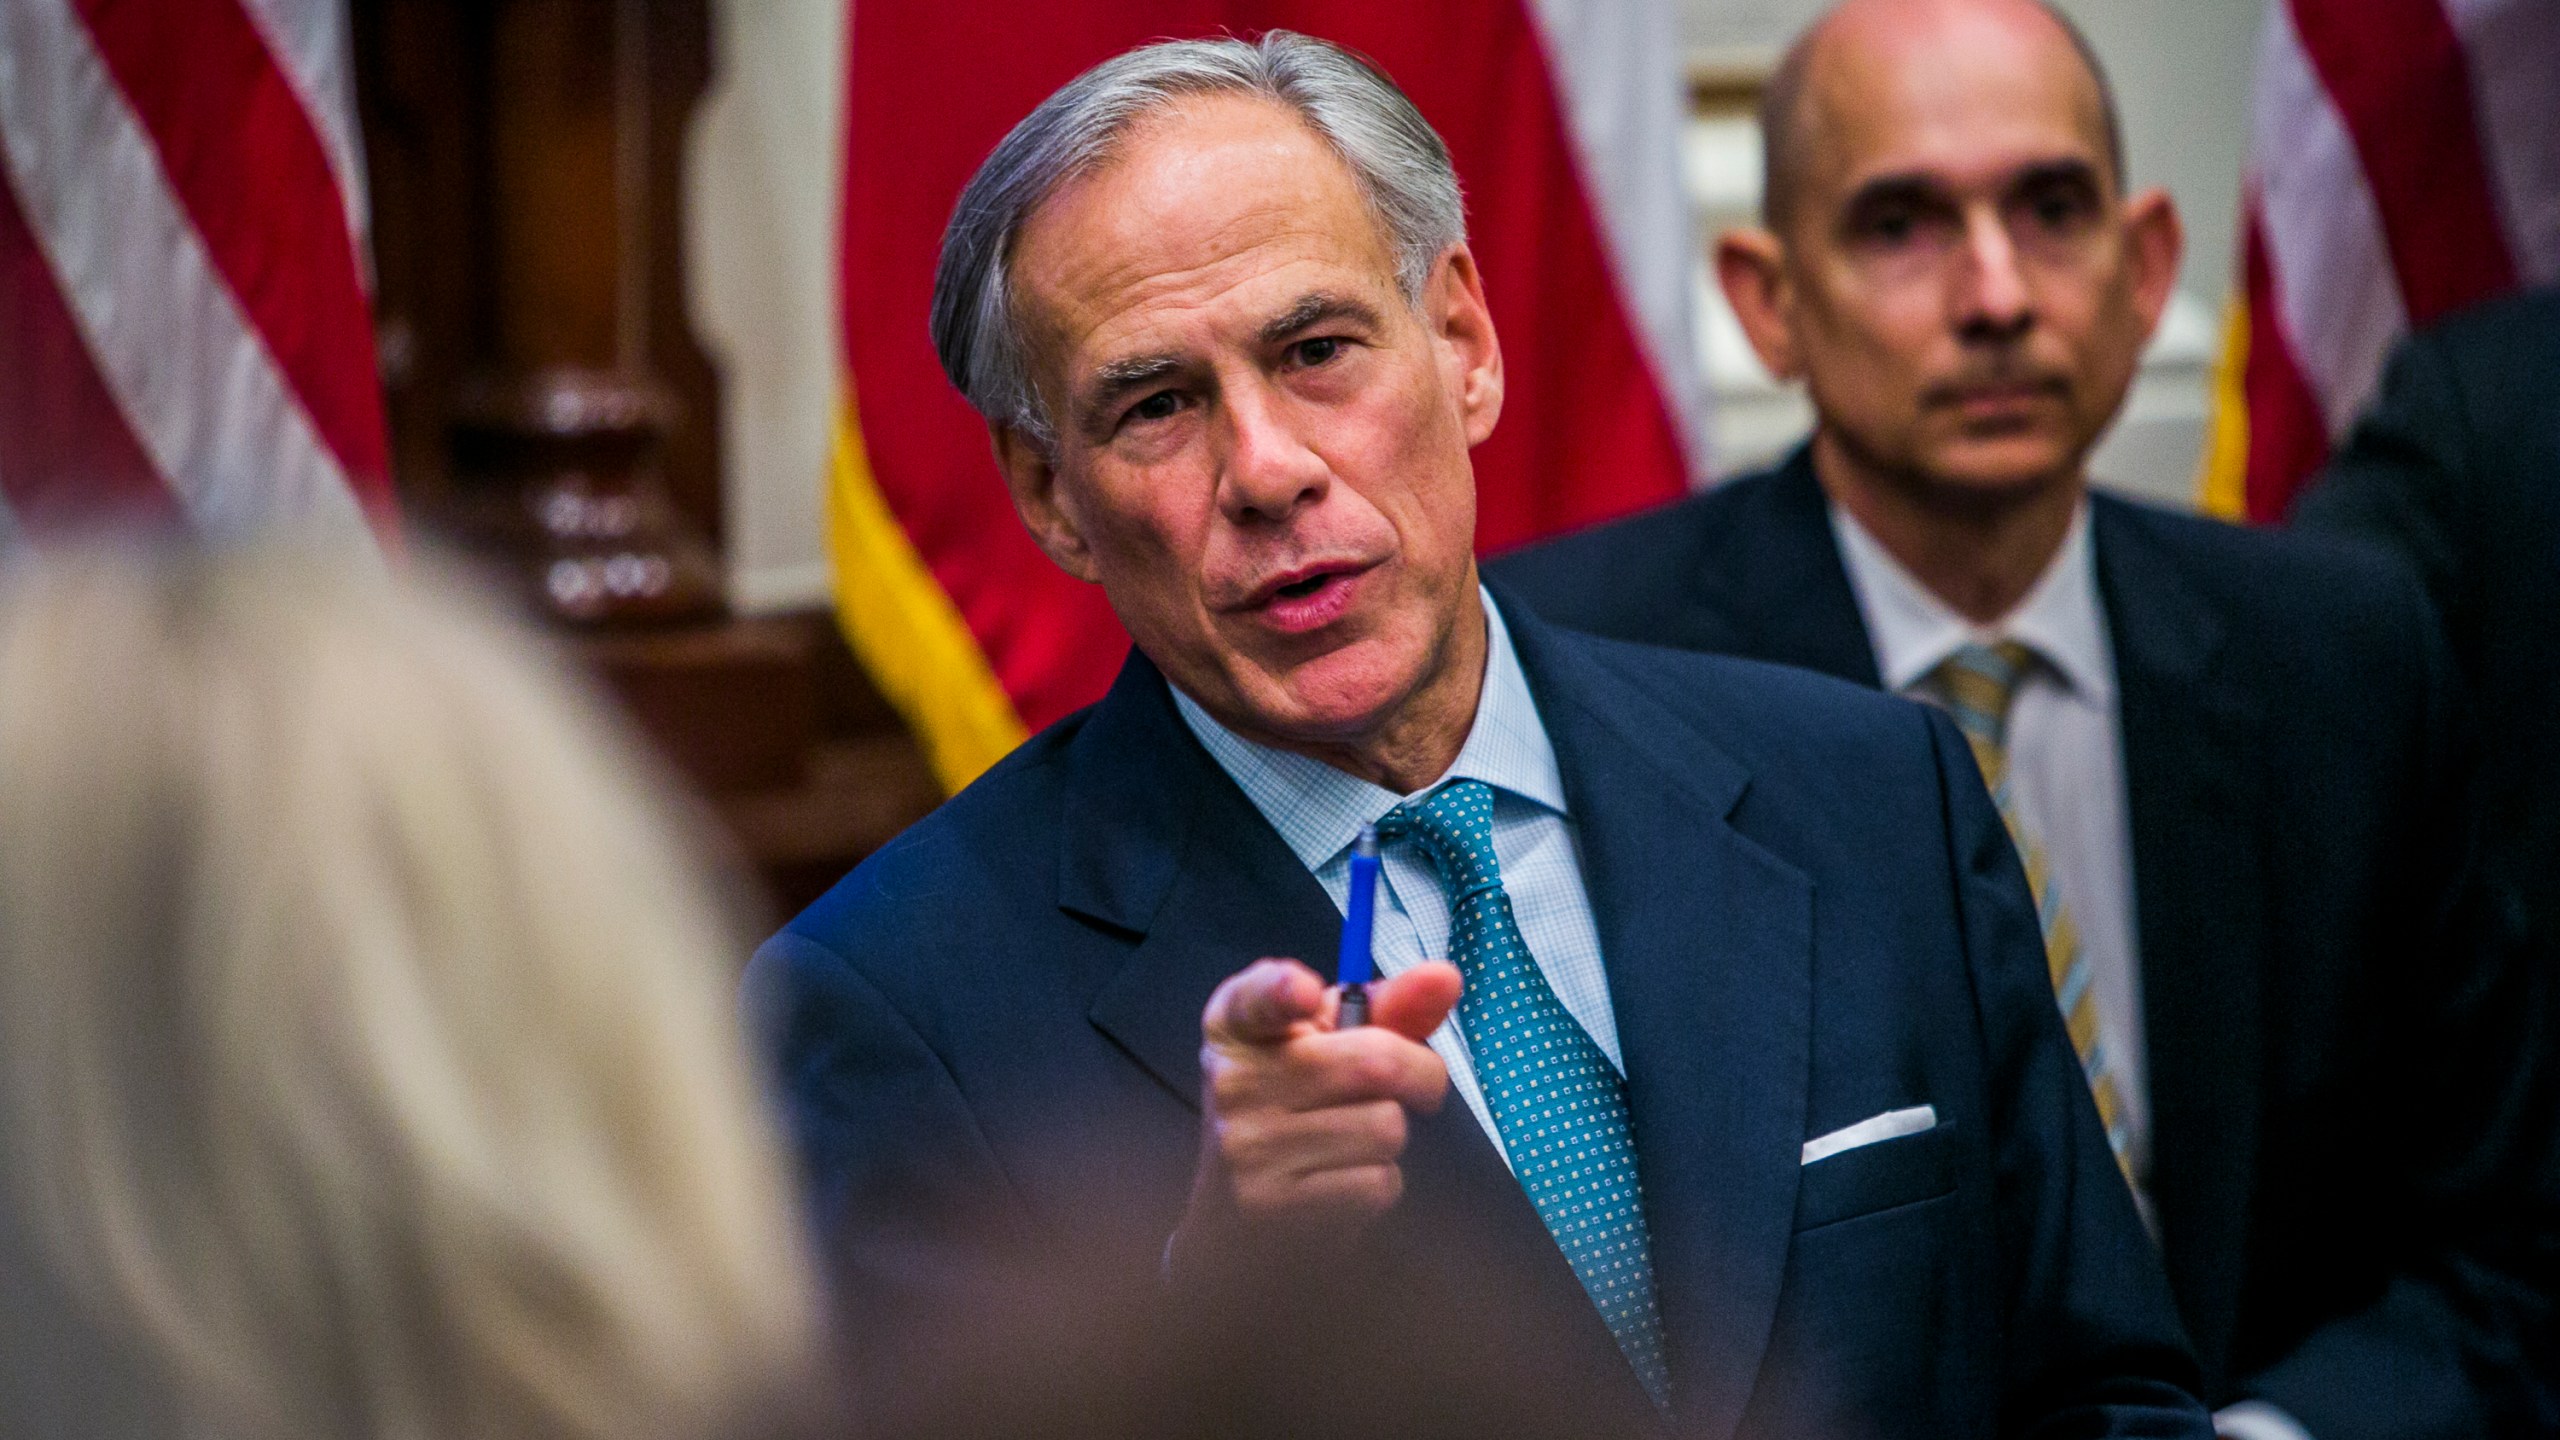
(2066, 778)
(2066, 762)
(1319, 810)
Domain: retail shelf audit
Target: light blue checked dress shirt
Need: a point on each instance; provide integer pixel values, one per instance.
(1318, 810)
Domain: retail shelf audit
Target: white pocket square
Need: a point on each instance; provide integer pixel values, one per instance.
(1891, 1125)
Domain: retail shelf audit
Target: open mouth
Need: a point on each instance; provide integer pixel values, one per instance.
(1300, 583)
(1308, 600)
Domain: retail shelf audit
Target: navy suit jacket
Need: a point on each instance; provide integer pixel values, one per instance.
(2456, 471)
(1811, 915)
(2353, 1126)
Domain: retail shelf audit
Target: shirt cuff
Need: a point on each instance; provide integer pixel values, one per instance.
(2257, 1420)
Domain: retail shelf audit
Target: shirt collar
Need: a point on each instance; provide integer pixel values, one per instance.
(1318, 809)
(2060, 618)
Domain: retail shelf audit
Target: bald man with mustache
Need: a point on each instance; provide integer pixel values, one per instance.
(2229, 758)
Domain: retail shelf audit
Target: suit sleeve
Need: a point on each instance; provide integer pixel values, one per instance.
(2461, 1339)
(2095, 1347)
(905, 1193)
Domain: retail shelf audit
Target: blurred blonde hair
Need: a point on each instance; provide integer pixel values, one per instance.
(367, 1045)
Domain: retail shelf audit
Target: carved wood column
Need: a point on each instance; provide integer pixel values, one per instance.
(554, 409)
(551, 411)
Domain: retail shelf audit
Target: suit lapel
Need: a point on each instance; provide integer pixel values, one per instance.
(1464, 1217)
(1772, 582)
(2196, 811)
(1159, 842)
(1709, 946)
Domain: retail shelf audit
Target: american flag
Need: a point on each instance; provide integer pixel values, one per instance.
(2405, 162)
(185, 330)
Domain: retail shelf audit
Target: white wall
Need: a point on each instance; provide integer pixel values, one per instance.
(760, 227)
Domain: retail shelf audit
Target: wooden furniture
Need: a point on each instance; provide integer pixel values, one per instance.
(552, 415)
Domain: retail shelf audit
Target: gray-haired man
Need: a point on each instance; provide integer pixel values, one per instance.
(1765, 1118)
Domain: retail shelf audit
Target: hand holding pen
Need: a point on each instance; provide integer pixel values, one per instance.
(1305, 1121)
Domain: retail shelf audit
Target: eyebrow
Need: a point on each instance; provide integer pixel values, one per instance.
(2053, 172)
(1893, 189)
(1117, 379)
(1922, 188)
(1313, 310)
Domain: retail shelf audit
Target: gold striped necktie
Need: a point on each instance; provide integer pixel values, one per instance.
(1975, 685)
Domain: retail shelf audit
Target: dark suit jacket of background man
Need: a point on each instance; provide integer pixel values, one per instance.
(2456, 469)
(2347, 1107)
(1811, 916)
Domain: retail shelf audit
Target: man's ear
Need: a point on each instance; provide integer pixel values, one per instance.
(1751, 264)
(2155, 239)
(1462, 325)
(1031, 473)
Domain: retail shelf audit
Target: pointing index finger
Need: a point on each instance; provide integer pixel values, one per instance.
(1262, 1004)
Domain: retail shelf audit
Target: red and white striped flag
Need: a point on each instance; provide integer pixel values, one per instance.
(185, 330)
(1562, 117)
(2405, 162)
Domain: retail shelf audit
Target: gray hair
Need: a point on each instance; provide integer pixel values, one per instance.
(1402, 169)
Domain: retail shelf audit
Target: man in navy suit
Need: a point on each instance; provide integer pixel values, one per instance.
(1764, 1120)
(2227, 754)
(2454, 471)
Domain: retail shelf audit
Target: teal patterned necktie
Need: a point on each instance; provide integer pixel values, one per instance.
(1559, 1104)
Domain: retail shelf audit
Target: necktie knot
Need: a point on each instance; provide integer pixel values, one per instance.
(1453, 827)
(1976, 685)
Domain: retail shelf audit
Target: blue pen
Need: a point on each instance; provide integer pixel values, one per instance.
(1355, 969)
